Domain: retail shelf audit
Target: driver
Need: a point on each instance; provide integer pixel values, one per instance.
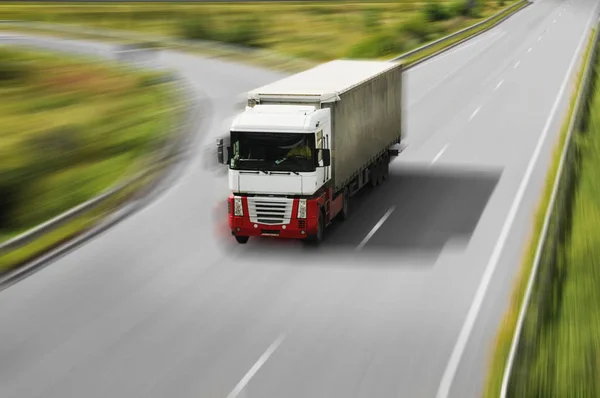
(301, 150)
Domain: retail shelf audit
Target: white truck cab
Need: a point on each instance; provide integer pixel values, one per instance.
(262, 138)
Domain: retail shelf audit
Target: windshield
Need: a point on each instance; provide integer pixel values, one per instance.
(272, 151)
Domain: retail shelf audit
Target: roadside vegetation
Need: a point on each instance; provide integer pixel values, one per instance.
(562, 358)
(318, 31)
(71, 128)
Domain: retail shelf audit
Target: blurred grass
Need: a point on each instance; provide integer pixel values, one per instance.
(557, 372)
(69, 230)
(566, 356)
(318, 31)
(71, 128)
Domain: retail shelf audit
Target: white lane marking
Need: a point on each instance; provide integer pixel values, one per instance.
(539, 38)
(457, 49)
(475, 112)
(465, 332)
(517, 64)
(439, 154)
(554, 21)
(530, 48)
(261, 361)
(375, 228)
(499, 84)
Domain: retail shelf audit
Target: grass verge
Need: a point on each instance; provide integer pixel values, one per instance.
(315, 31)
(71, 129)
(506, 331)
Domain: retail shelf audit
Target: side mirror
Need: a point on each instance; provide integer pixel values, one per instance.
(223, 158)
(326, 156)
(220, 154)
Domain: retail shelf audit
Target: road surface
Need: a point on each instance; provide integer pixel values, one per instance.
(165, 304)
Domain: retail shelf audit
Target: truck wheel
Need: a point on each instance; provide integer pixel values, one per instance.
(242, 239)
(318, 237)
(345, 212)
(374, 177)
(380, 171)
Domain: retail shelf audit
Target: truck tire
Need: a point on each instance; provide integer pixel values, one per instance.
(242, 239)
(380, 167)
(374, 175)
(346, 203)
(318, 237)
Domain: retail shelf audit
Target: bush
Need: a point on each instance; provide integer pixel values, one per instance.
(379, 45)
(435, 12)
(12, 68)
(418, 29)
(462, 8)
(197, 28)
(246, 32)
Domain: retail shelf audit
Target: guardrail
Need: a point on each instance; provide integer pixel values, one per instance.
(410, 58)
(155, 166)
(553, 232)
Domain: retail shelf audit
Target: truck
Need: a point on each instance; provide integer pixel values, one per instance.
(306, 144)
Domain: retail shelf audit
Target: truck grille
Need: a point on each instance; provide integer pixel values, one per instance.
(272, 211)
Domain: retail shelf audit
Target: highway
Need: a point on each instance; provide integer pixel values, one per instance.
(166, 304)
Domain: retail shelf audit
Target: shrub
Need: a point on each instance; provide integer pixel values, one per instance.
(418, 29)
(379, 45)
(435, 12)
(12, 68)
(197, 28)
(245, 32)
(463, 8)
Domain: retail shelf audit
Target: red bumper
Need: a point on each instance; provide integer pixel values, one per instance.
(296, 229)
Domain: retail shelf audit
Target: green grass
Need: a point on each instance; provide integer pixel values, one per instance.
(316, 31)
(71, 129)
(541, 371)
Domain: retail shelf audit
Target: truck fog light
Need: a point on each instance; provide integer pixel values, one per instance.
(237, 205)
(302, 208)
(255, 225)
(283, 227)
(302, 232)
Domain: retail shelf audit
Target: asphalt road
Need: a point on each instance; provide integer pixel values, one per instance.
(167, 304)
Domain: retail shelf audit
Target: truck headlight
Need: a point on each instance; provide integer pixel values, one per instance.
(302, 208)
(238, 209)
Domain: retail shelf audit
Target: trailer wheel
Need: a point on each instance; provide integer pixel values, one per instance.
(346, 202)
(374, 174)
(242, 239)
(380, 167)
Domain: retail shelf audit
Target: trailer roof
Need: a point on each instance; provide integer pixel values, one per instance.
(326, 81)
